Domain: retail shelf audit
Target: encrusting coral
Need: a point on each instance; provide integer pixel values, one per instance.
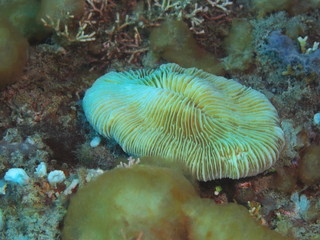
(215, 126)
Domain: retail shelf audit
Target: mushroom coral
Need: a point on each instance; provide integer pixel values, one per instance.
(215, 126)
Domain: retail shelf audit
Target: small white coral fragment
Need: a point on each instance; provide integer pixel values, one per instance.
(303, 43)
(16, 175)
(93, 173)
(41, 170)
(56, 176)
(131, 162)
(95, 142)
(316, 119)
(73, 185)
(301, 204)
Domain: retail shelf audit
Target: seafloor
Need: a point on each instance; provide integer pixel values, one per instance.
(41, 117)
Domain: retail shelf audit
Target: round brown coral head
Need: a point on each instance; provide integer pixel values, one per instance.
(217, 127)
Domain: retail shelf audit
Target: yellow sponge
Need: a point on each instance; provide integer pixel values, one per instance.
(13, 53)
(145, 202)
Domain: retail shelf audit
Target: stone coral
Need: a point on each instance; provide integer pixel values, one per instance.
(215, 126)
